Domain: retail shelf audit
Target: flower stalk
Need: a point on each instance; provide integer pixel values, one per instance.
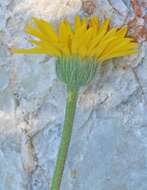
(72, 94)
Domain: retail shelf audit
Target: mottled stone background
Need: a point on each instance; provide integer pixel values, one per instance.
(109, 142)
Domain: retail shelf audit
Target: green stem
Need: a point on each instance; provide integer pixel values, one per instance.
(65, 139)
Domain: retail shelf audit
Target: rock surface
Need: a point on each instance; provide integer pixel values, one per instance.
(109, 143)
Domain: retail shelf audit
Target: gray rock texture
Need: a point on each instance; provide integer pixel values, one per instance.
(108, 149)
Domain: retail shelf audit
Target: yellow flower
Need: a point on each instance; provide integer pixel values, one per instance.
(87, 39)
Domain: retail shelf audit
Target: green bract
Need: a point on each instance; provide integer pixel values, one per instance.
(76, 72)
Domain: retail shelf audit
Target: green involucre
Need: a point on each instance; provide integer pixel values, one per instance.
(76, 72)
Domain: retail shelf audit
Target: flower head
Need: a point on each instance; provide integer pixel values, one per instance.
(86, 39)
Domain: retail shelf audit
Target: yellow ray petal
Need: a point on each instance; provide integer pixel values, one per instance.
(49, 48)
(34, 50)
(109, 37)
(84, 21)
(85, 38)
(116, 43)
(35, 32)
(94, 22)
(66, 51)
(77, 22)
(82, 51)
(119, 54)
(47, 29)
(122, 31)
(76, 38)
(82, 46)
(105, 25)
(68, 27)
(125, 47)
(101, 47)
(65, 36)
(111, 33)
(120, 47)
(102, 31)
(65, 32)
